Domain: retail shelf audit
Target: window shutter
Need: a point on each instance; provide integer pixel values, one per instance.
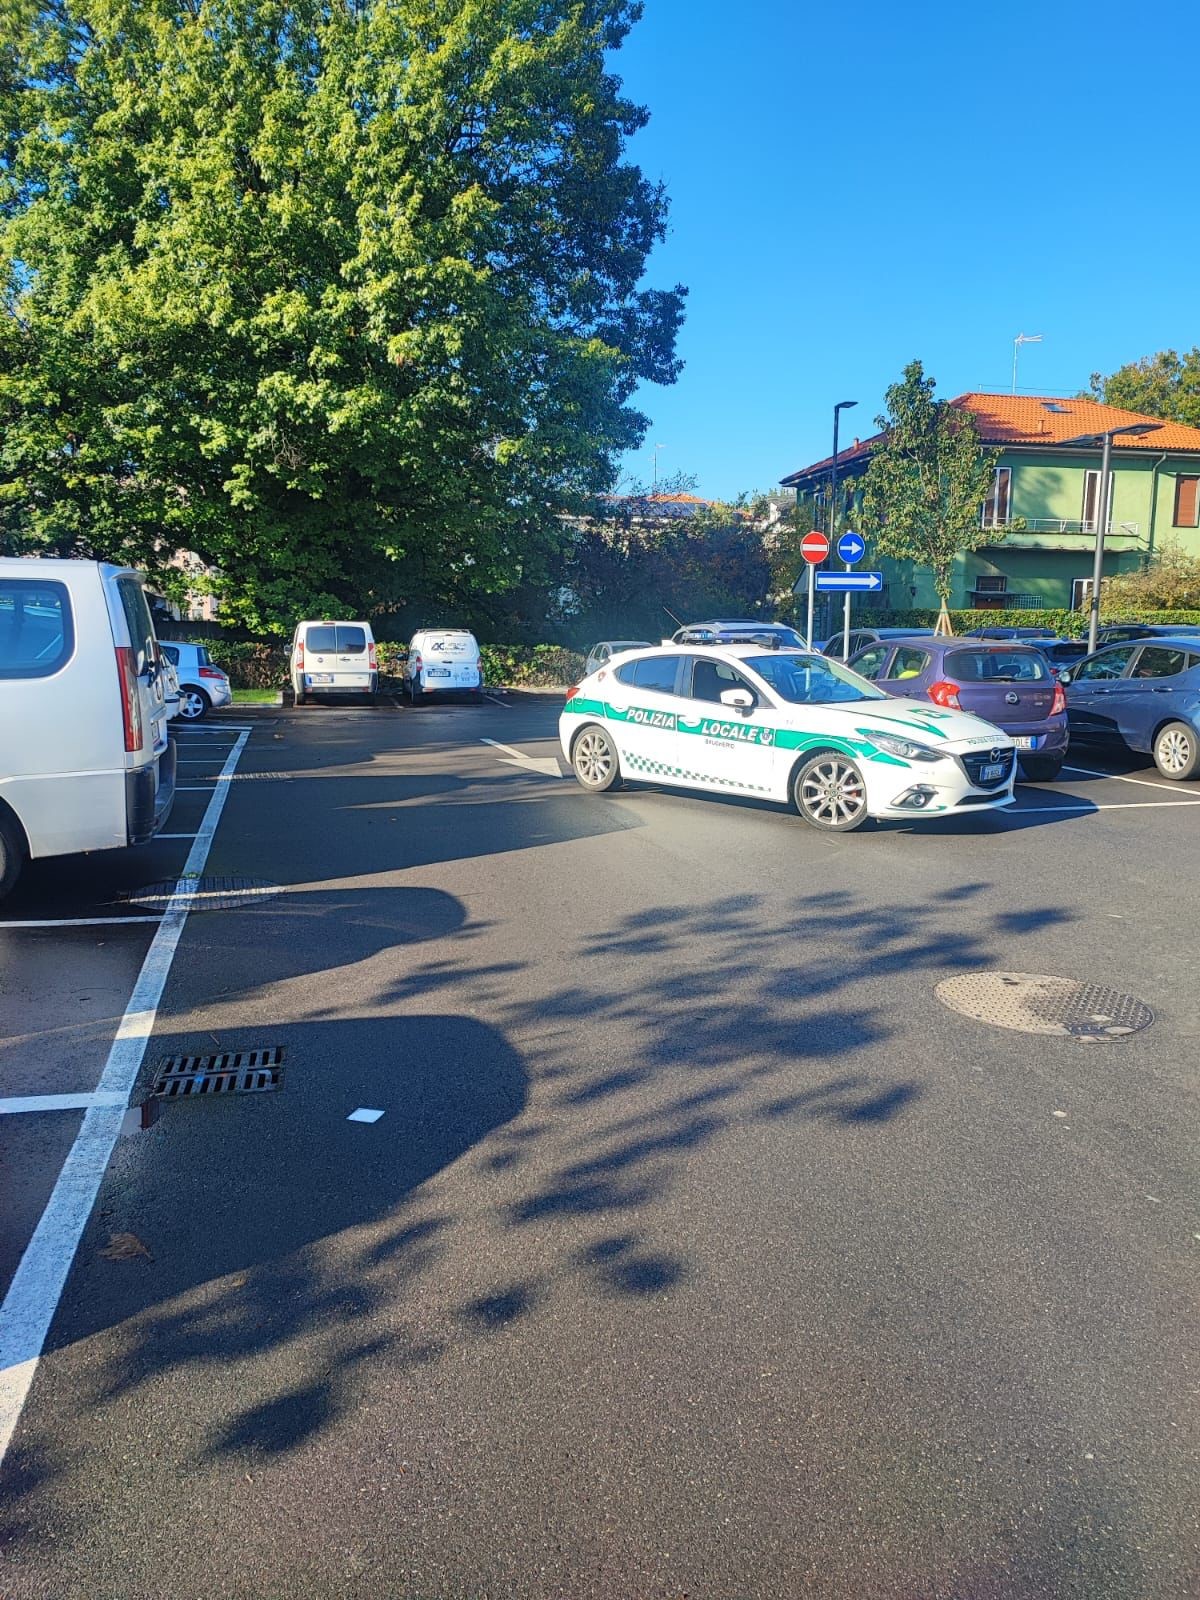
(1187, 502)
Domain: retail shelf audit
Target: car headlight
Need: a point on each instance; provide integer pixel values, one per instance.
(905, 748)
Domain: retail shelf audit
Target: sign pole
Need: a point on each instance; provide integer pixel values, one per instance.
(812, 573)
(846, 623)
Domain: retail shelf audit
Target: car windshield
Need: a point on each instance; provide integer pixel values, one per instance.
(805, 680)
(996, 666)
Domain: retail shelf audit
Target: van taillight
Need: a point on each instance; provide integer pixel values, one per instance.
(945, 694)
(300, 655)
(131, 705)
(371, 655)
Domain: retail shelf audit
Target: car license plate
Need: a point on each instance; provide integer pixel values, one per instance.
(990, 774)
(437, 672)
(320, 677)
(1025, 741)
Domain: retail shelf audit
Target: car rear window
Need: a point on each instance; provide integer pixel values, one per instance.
(332, 639)
(137, 617)
(996, 666)
(37, 633)
(202, 656)
(652, 672)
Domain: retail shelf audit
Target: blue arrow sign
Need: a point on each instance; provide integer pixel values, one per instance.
(850, 549)
(847, 582)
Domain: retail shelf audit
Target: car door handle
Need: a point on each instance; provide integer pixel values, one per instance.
(1160, 691)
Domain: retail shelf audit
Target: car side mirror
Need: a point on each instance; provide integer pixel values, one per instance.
(737, 699)
(1064, 677)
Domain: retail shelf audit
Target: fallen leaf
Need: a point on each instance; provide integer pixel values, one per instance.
(124, 1247)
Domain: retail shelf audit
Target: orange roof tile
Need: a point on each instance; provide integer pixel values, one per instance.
(1018, 419)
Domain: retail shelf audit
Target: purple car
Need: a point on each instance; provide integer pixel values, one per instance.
(1008, 684)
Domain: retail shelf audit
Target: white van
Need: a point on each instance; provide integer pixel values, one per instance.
(441, 659)
(334, 658)
(85, 761)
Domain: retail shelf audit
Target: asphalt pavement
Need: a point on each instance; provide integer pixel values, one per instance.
(684, 1243)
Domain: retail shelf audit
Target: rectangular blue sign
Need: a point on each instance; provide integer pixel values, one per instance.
(848, 582)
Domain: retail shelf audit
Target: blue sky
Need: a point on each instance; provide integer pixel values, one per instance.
(855, 186)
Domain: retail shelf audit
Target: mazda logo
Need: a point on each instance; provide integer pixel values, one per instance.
(1012, 698)
(997, 755)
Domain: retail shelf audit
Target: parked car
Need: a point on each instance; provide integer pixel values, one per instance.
(200, 684)
(1146, 695)
(1061, 653)
(1008, 685)
(1010, 633)
(333, 658)
(441, 661)
(85, 759)
(1123, 632)
(860, 638)
(600, 654)
(786, 725)
(775, 635)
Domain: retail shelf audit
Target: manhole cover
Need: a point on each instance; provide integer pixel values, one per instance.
(1031, 1002)
(204, 894)
(235, 1072)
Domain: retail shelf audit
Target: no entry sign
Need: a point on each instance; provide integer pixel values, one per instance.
(814, 547)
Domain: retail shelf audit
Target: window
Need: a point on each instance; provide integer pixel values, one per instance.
(330, 640)
(137, 616)
(869, 663)
(811, 680)
(36, 631)
(656, 673)
(711, 679)
(1187, 502)
(1091, 496)
(1157, 662)
(908, 663)
(995, 507)
(996, 666)
(991, 582)
(1108, 664)
(171, 652)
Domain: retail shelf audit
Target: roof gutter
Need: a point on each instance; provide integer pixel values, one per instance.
(1153, 504)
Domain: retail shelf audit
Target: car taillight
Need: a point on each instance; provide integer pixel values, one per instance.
(211, 672)
(945, 694)
(1059, 703)
(131, 705)
(572, 691)
(371, 655)
(300, 656)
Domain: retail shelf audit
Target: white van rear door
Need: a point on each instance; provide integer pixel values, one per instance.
(335, 654)
(151, 679)
(451, 661)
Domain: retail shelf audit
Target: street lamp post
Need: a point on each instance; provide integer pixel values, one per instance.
(842, 405)
(1103, 496)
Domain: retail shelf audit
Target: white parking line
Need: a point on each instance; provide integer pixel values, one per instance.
(194, 788)
(76, 922)
(174, 835)
(1102, 805)
(37, 1284)
(59, 1102)
(496, 702)
(1146, 783)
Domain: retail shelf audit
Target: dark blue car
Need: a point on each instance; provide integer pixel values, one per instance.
(1145, 694)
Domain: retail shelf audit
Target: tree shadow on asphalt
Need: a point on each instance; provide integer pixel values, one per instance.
(302, 1262)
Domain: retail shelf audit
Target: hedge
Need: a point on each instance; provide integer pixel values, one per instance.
(1066, 624)
(265, 666)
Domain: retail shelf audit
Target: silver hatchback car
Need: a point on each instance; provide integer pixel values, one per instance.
(1145, 694)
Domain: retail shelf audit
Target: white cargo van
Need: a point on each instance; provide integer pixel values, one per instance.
(441, 659)
(333, 658)
(85, 761)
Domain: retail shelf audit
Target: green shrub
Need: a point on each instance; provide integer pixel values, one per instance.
(1067, 624)
(537, 666)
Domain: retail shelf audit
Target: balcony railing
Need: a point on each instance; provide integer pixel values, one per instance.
(1064, 525)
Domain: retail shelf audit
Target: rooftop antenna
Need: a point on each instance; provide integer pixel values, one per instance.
(657, 448)
(1022, 338)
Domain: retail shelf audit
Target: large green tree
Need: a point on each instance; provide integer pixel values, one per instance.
(1165, 385)
(343, 295)
(927, 480)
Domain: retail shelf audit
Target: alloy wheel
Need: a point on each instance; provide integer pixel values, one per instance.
(594, 760)
(1174, 751)
(832, 793)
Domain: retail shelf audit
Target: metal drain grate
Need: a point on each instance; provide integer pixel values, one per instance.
(204, 894)
(1035, 1003)
(236, 1072)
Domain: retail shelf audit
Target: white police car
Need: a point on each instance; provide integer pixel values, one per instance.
(783, 725)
